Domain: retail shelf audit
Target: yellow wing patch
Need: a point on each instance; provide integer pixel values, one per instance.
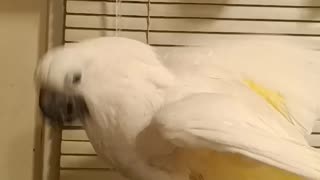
(274, 98)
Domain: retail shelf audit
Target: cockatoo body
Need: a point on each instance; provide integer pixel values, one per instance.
(230, 111)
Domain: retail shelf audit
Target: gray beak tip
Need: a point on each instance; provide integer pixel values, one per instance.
(61, 108)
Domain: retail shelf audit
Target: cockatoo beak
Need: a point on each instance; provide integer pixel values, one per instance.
(59, 107)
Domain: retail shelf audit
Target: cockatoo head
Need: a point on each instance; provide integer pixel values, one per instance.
(105, 76)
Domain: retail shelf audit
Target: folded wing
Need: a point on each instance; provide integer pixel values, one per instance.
(229, 133)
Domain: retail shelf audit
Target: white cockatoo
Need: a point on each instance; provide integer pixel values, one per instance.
(234, 110)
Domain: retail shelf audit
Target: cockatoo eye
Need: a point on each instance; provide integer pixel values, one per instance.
(76, 79)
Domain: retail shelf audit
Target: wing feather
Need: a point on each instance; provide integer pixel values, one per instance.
(225, 124)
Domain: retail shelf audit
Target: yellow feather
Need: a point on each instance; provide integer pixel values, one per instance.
(275, 99)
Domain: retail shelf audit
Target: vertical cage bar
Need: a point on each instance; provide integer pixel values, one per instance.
(148, 20)
(118, 16)
(64, 21)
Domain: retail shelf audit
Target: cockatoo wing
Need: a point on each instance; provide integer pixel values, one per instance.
(220, 123)
(287, 67)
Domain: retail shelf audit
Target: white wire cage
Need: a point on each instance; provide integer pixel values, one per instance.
(163, 24)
